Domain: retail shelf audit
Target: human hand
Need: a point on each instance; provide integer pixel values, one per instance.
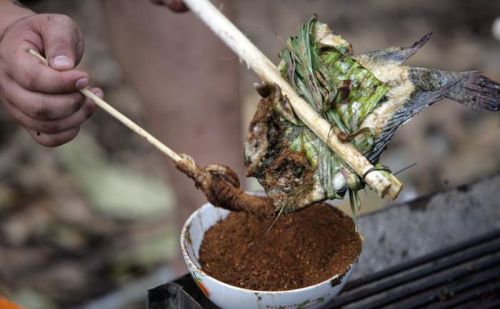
(175, 5)
(45, 99)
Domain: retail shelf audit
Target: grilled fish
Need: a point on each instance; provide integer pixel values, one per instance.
(365, 97)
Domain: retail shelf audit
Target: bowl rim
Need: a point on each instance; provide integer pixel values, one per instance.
(187, 259)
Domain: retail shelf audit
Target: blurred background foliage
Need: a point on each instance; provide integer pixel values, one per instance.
(87, 224)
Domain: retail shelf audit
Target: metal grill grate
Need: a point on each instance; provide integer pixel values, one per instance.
(464, 275)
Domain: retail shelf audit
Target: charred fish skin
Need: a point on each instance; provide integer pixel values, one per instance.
(365, 97)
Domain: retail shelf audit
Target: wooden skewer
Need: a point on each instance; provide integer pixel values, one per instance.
(382, 182)
(122, 118)
(227, 194)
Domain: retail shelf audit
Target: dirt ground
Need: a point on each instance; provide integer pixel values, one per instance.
(71, 230)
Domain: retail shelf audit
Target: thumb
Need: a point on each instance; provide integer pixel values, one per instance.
(62, 40)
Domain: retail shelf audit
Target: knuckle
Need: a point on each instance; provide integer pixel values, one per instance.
(76, 101)
(62, 19)
(40, 110)
(62, 44)
(31, 81)
(89, 110)
(55, 82)
(71, 104)
(60, 82)
(24, 121)
(50, 127)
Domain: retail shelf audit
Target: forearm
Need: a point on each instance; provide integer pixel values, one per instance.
(10, 11)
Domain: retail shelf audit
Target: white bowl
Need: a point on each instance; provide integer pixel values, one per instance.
(230, 297)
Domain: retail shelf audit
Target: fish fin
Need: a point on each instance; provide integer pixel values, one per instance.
(415, 104)
(397, 55)
(469, 88)
(476, 91)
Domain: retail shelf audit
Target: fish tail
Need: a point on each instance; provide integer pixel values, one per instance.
(475, 91)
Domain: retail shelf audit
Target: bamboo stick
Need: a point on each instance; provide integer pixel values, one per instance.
(382, 182)
(122, 118)
(220, 184)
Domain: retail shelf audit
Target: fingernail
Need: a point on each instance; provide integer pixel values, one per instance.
(62, 62)
(82, 82)
(98, 92)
